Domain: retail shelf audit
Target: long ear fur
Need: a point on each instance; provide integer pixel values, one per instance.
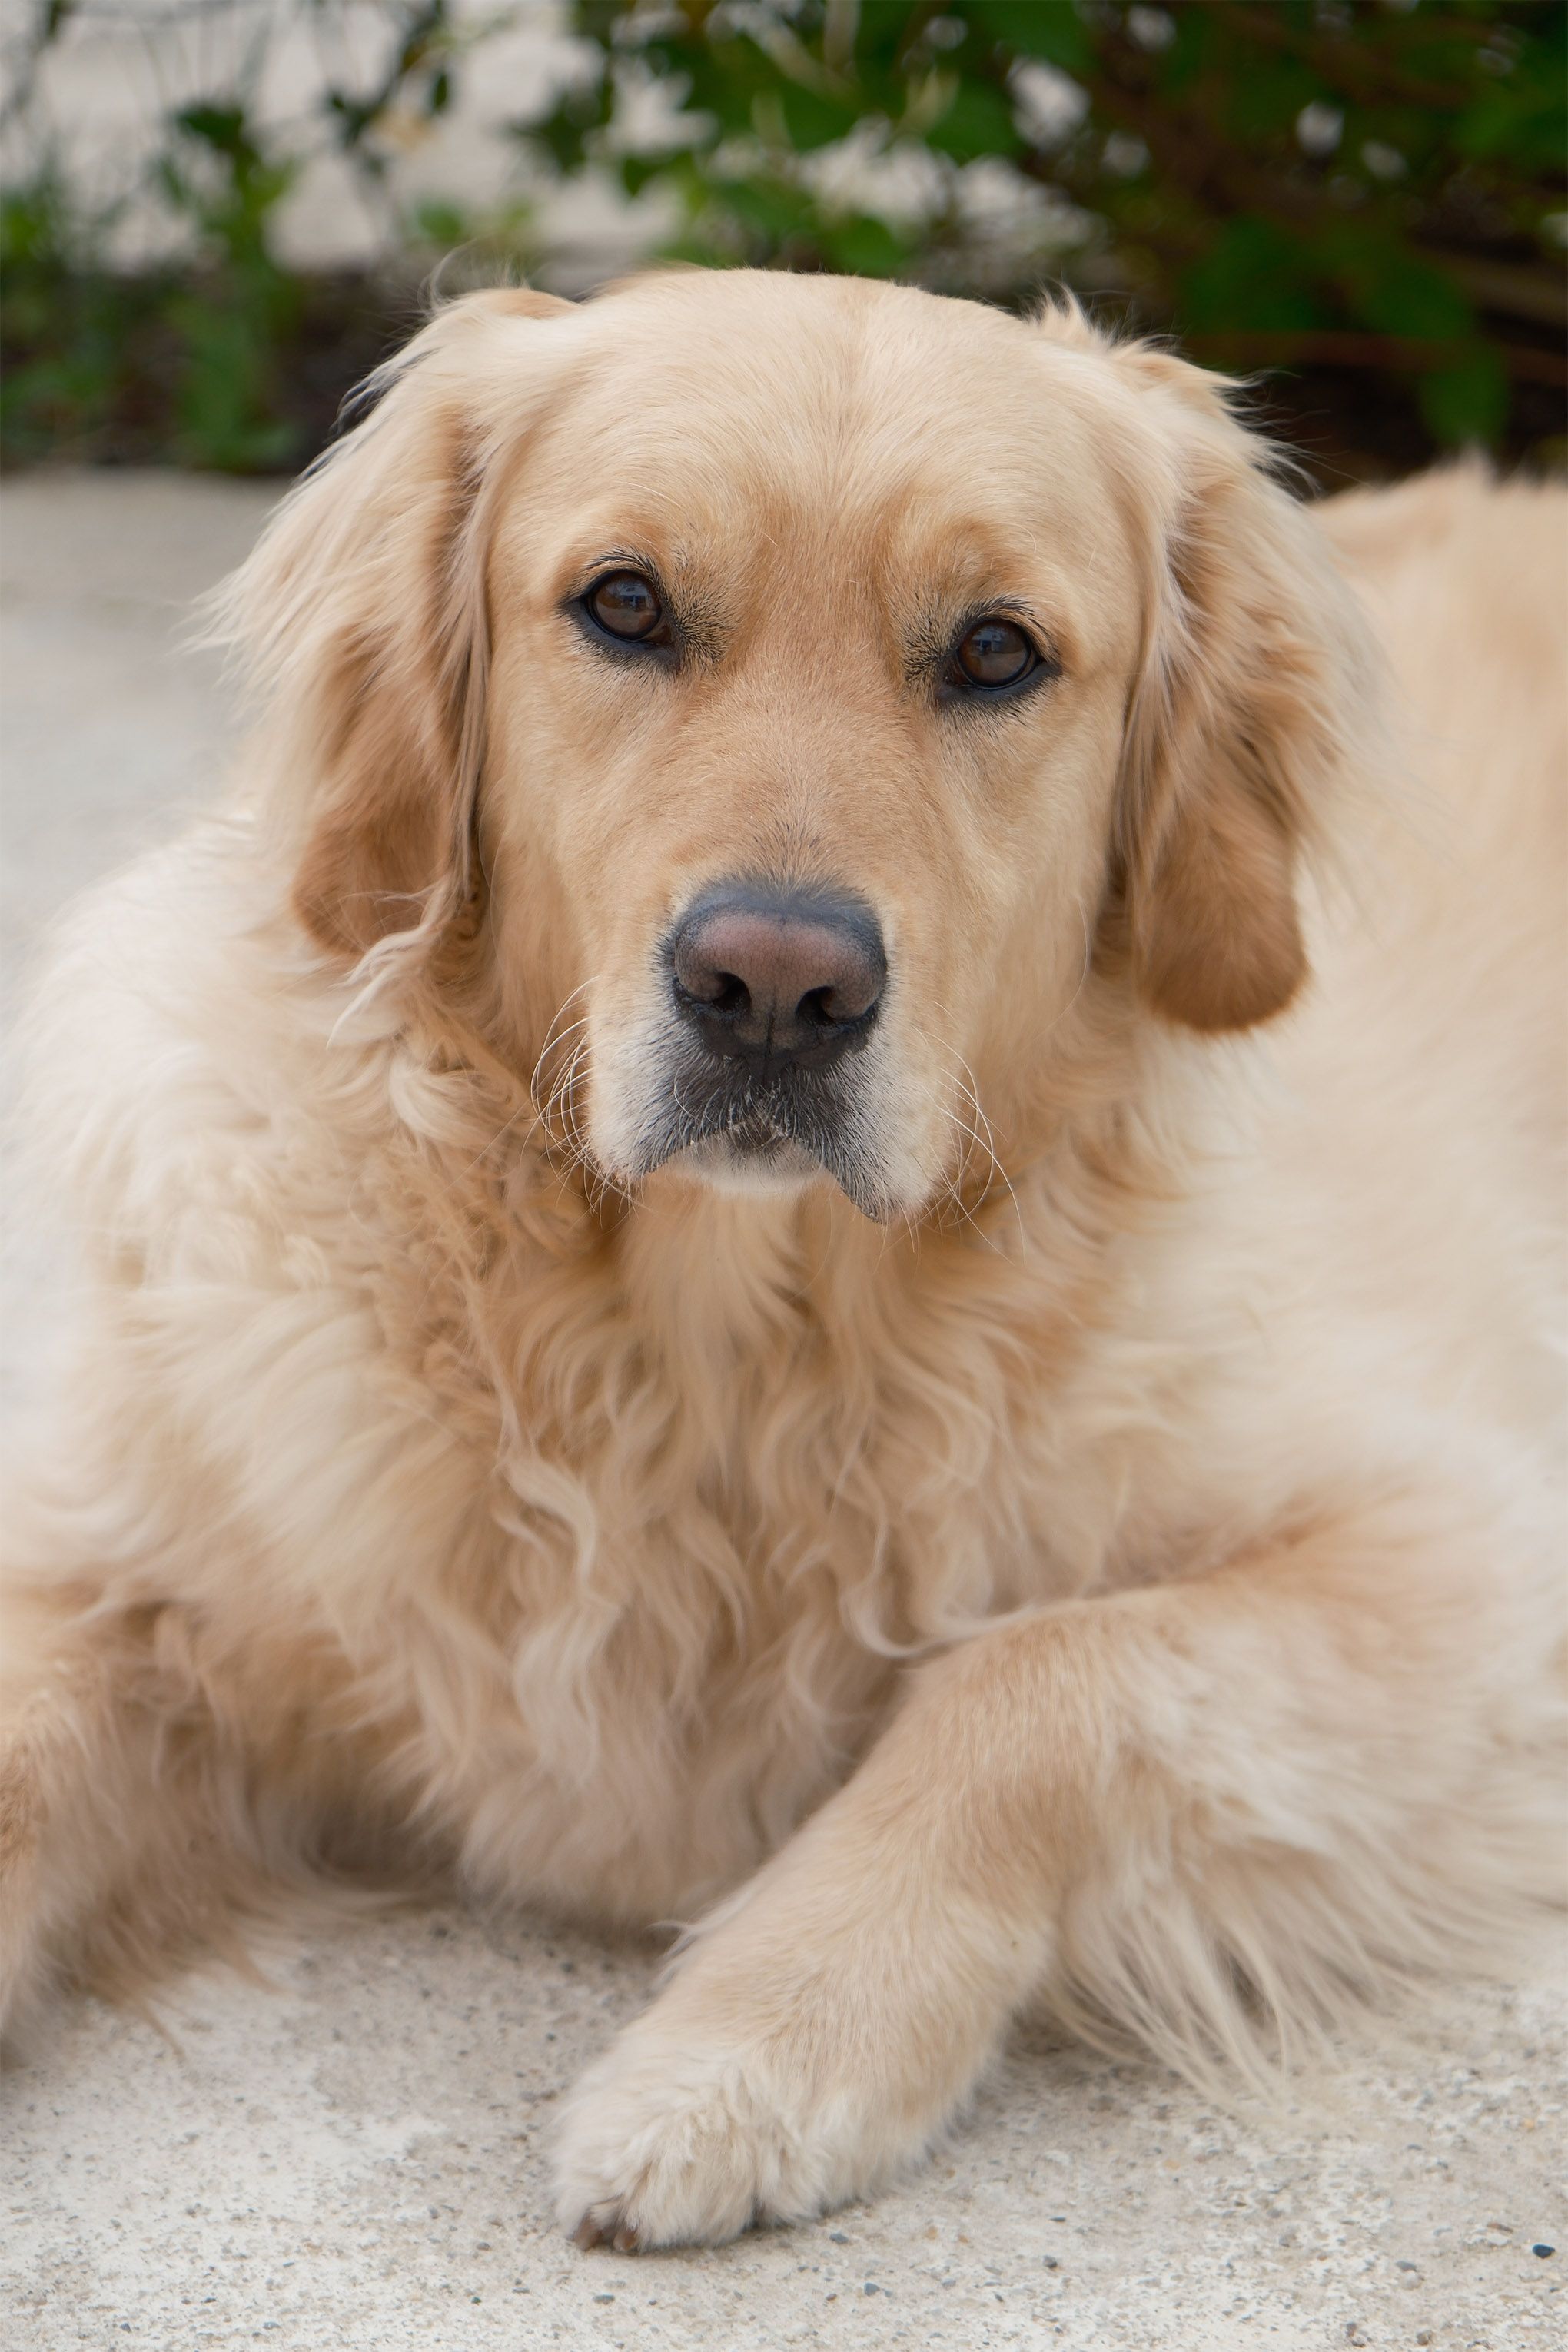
(1249, 714)
(361, 617)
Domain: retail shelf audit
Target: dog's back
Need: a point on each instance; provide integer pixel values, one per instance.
(1437, 1036)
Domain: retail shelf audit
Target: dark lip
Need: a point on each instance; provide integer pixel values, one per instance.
(710, 1100)
(730, 1097)
(758, 1137)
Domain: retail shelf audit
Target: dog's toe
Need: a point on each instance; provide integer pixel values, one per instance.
(679, 2154)
(606, 2226)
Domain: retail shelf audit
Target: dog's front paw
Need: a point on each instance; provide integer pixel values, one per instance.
(670, 2141)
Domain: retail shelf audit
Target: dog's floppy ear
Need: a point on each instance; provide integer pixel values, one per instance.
(363, 615)
(1251, 691)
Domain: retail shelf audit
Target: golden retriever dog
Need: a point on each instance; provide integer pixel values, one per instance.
(827, 1214)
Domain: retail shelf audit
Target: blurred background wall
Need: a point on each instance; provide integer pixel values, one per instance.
(216, 215)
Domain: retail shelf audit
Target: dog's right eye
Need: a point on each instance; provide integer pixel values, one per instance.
(626, 606)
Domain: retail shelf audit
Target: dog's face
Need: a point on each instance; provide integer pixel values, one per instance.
(811, 654)
(832, 683)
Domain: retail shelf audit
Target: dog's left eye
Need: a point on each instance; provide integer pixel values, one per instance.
(627, 605)
(995, 653)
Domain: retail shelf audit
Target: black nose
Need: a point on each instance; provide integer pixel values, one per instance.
(782, 978)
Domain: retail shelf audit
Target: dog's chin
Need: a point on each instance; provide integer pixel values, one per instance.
(755, 1158)
(768, 1165)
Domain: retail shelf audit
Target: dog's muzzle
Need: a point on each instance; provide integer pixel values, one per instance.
(774, 991)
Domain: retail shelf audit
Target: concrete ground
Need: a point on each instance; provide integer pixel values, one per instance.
(356, 2159)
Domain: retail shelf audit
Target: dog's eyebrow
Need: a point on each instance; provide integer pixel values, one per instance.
(581, 574)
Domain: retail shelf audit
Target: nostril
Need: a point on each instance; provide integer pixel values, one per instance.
(819, 1008)
(705, 981)
(729, 993)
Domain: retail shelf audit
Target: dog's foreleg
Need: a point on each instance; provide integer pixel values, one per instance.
(1198, 1815)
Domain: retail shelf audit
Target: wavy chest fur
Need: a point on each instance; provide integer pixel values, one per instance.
(733, 1460)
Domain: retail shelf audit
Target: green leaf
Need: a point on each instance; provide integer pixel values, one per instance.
(1255, 278)
(977, 121)
(863, 247)
(1468, 401)
(221, 127)
(1395, 292)
(638, 171)
(769, 207)
(440, 223)
(1050, 30)
(813, 120)
(1525, 127)
(1260, 106)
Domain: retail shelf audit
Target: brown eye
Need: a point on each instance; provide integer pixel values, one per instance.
(625, 605)
(995, 653)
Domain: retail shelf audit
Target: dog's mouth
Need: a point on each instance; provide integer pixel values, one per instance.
(759, 1135)
(776, 1128)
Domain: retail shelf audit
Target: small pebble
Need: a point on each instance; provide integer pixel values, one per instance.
(871, 2287)
(837, 2238)
(1544, 2251)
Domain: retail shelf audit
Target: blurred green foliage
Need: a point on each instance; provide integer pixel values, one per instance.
(1369, 187)
(223, 358)
(1369, 194)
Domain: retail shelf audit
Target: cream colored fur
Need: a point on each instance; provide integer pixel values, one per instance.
(1122, 1574)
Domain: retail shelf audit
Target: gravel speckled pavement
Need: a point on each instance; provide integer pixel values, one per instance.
(355, 2160)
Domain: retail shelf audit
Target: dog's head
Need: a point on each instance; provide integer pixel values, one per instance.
(776, 701)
